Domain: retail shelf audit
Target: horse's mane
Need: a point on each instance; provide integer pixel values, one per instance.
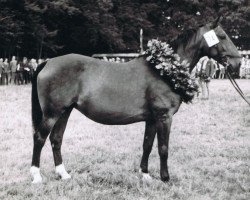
(183, 38)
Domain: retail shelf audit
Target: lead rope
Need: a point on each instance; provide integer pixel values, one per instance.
(236, 86)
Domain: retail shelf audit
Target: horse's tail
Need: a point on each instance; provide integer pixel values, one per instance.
(36, 107)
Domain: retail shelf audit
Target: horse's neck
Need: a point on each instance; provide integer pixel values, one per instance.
(190, 52)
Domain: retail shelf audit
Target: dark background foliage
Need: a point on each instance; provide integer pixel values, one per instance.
(47, 28)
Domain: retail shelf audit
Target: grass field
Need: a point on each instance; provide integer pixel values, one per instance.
(209, 155)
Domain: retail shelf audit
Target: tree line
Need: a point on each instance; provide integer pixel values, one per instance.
(48, 28)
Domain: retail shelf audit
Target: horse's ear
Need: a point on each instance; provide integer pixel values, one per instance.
(216, 22)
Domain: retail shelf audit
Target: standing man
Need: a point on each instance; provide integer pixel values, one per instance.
(205, 71)
(13, 68)
(20, 70)
(243, 65)
(222, 71)
(24, 66)
(33, 66)
(1, 71)
(7, 71)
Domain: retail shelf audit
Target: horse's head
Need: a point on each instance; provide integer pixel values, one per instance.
(208, 40)
(217, 45)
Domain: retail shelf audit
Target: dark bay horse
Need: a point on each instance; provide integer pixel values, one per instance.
(115, 94)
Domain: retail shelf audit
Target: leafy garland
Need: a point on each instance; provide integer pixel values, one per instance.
(161, 56)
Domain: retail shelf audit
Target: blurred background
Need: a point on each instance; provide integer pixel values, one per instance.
(48, 28)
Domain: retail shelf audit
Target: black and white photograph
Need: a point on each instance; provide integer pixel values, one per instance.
(125, 99)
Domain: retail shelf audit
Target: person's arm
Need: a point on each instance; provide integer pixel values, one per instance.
(17, 67)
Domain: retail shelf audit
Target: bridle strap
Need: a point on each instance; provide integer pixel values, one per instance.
(236, 86)
(232, 80)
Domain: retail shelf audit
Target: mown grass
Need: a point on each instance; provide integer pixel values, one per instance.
(209, 155)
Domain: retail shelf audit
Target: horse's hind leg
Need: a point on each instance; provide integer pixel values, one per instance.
(149, 136)
(39, 138)
(56, 138)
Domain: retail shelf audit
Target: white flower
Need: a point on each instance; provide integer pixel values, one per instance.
(185, 63)
(149, 58)
(150, 43)
(159, 66)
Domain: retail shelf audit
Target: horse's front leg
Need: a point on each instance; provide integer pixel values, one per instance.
(163, 125)
(150, 131)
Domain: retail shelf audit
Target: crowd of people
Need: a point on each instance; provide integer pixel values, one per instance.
(17, 72)
(21, 72)
(116, 60)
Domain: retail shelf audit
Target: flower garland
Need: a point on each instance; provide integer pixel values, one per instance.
(176, 73)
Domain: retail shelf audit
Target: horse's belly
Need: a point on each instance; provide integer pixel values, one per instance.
(113, 118)
(113, 113)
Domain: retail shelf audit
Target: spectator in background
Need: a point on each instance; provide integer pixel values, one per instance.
(105, 58)
(242, 67)
(13, 68)
(216, 71)
(245, 67)
(33, 66)
(204, 73)
(222, 71)
(117, 60)
(24, 65)
(7, 71)
(1, 71)
(20, 71)
(40, 61)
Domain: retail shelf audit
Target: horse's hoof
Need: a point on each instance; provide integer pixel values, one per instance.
(146, 178)
(35, 172)
(165, 179)
(37, 180)
(65, 176)
(60, 169)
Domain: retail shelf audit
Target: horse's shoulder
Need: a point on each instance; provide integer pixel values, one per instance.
(162, 97)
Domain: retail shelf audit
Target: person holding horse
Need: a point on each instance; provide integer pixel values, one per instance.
(205, 71)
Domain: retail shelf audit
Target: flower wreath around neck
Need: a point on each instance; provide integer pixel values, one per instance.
(167, 63)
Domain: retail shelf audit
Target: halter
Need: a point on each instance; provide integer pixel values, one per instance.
(212, 40)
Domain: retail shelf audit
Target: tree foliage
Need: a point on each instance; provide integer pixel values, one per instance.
(36, 28)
